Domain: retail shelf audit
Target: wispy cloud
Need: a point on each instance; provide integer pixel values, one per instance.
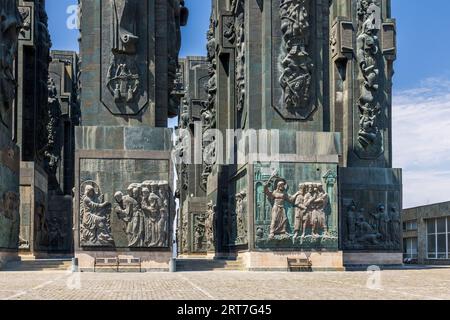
(421, 133)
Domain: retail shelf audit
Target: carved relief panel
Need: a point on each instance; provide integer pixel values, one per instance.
(210, 227)
(370, 209)
(9, 219)
(144, 211)
(233, 36)
(27, 15)
(199, 238)
(374, 225)
(341, 40)
(236, 216)
(374, 53)
(126, 45)
(298, 27)
(120, 208)
(95, 216)
(296, 206)
(208, 112)
(10, 24)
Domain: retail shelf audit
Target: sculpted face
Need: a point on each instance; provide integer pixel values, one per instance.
(118, 196)
(130, 192)
(89, 191)
(145, 193)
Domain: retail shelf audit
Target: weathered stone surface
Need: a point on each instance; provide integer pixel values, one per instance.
(123, 194)
(64, 115)
(9, 197)
(10, 24)
(295, 206)
(191, 226)
(371, 204)
(130, 56)
(34, 215)
(315, 78)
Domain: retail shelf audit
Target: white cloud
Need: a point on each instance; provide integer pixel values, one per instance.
(421, 141)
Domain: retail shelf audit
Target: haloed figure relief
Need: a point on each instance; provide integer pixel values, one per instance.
(95, 217)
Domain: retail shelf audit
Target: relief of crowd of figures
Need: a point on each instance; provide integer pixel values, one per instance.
(302, 219)
(144, 211)
(283, 218)
(204, 230)
(297, 65)
(368, 55)
(208, 113)
(378, 228)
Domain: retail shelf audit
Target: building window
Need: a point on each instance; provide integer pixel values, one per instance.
(438, 238)
(410, 248)
(410, 225)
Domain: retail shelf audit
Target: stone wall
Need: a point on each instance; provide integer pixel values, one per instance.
(9, 192)
(124, 201)
(10, 24)
(124, 204)
(314, 77)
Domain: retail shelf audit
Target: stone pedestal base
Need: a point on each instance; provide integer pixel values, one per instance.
(277, 261)
(372, 258)
(116, 160)
(150, 261)
(6, 257)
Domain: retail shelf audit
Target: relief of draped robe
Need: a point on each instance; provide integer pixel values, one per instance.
(151, 210)
(95, 228)
(279, 222)
(135, 225)
(124, 27)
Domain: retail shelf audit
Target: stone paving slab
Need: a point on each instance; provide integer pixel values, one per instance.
(391, 284)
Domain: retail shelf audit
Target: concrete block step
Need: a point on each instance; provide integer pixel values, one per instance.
(209, 265)
(39, 265)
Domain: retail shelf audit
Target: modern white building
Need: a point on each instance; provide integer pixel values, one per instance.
(426, 234)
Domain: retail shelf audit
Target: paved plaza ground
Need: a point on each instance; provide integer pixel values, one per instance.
(427, 284)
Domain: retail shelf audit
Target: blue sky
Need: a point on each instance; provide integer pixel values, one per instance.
(421, 86)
